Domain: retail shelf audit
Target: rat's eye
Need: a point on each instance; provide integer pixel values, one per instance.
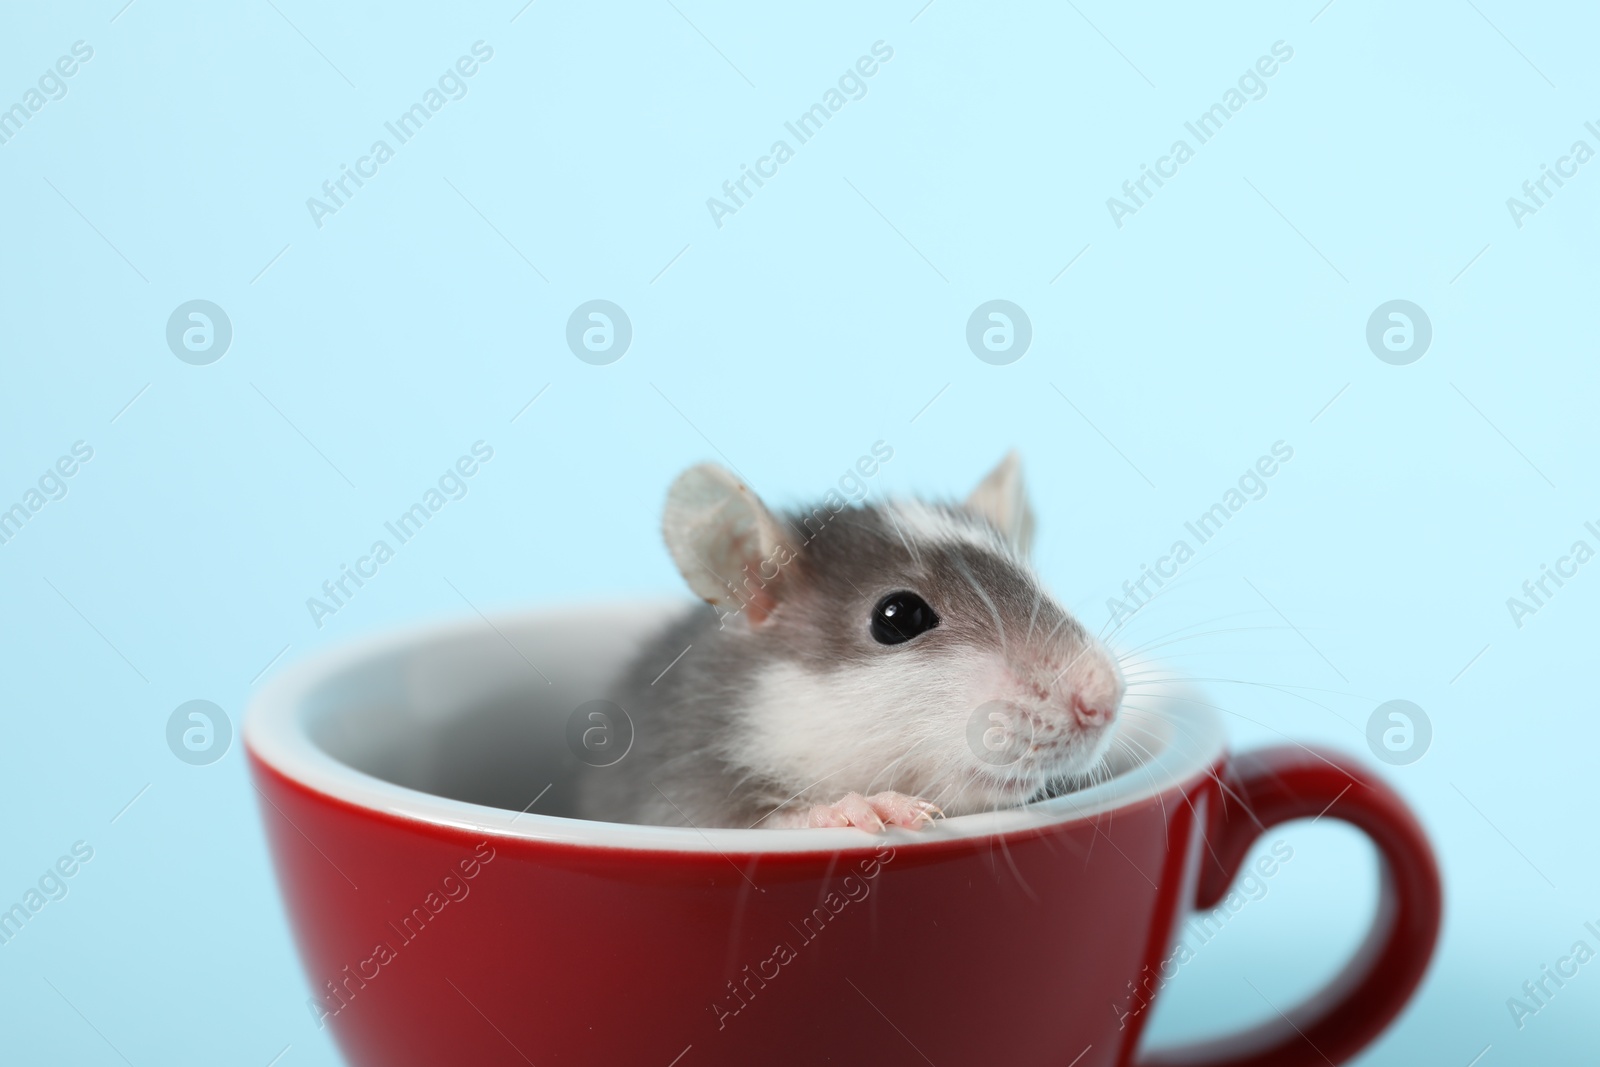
(901, 616)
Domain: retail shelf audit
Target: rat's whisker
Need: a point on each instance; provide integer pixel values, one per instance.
(1151, 647)
(889, 513)
(1145, 765)
(1033, 615)
(1286, 690)
(889, 768)
(988, 602)
(796, 796)
(744, 730)
(1085, 650)
(1012, 863)
(1065, 618)
(1190, 626)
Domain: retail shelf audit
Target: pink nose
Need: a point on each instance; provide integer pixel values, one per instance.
(1089, 715)
(1096, 687)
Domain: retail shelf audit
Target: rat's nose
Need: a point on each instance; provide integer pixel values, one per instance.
(1096, 686)
(1090, 714)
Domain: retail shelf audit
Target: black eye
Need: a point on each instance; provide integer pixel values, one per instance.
(901, 616)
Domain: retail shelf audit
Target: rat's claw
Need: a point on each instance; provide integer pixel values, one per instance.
(875, 812)
(858, 811)
(897, 809)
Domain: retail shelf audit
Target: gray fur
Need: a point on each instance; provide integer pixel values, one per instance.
(694, 758)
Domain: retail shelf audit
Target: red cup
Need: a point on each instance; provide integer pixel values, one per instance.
(444, 915)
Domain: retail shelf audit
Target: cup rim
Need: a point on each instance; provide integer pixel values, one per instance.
(276, 735)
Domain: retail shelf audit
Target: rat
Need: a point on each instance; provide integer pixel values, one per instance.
(879, 665)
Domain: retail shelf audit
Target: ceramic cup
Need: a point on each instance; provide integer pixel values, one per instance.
(446, 910)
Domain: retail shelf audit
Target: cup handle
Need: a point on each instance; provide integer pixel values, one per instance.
(1273, 785)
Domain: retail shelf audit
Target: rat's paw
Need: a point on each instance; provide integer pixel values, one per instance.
(873, 813)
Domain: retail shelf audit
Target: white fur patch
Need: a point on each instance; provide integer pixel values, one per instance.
(927, 525)
(904, 724)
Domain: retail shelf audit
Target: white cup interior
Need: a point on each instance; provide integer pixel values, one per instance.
(464, 724)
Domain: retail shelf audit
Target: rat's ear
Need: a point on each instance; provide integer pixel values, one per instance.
(727, 545)
(1002, 500)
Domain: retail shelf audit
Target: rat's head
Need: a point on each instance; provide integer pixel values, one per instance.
(904, 646)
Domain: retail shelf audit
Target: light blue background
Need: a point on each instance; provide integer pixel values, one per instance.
(1221, 318)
